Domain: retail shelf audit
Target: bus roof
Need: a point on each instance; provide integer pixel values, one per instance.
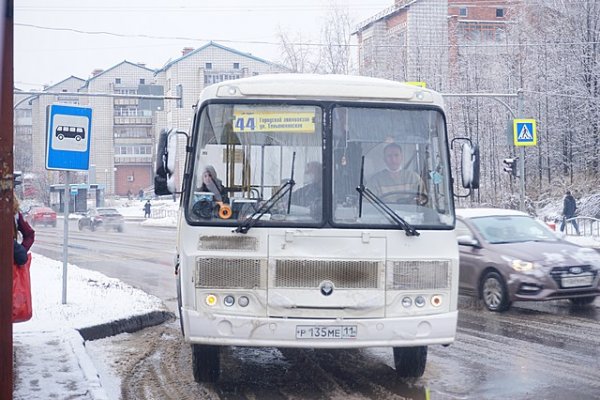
(321, 87)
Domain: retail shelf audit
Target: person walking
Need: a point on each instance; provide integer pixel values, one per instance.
(147, 209)
(569, 211)
(23, 235)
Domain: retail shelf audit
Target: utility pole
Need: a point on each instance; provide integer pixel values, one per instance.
(6, 201)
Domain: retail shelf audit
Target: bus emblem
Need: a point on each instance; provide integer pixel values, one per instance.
(326, 288)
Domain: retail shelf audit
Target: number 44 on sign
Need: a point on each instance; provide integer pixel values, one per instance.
(524, 132)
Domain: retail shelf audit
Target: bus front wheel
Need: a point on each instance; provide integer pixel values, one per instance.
(410, 361)
(206, 363)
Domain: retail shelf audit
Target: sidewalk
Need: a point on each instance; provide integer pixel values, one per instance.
(50, 359)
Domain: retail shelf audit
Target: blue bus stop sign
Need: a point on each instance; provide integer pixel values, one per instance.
(68, 138)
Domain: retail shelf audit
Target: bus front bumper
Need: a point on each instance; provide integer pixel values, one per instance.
(227, 330)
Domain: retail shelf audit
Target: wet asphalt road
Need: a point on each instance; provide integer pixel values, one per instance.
(547, 350)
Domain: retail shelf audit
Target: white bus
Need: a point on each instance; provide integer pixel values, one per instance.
(316, 212)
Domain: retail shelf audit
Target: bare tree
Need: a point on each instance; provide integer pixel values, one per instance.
(297, 55)
(335, 37)
(331, 56)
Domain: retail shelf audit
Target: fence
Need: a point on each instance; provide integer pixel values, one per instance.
(588, 226)
(163, 213)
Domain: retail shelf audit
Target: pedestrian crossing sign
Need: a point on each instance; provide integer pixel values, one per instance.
(524, 132)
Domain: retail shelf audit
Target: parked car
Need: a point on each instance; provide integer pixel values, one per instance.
(108, 218)
(40, 215)
(507, 255)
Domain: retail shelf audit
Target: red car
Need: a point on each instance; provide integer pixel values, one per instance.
(41, 215)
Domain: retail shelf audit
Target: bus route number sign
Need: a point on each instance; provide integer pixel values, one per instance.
(266, 121)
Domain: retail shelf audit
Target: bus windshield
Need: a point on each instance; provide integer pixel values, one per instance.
(306, 161)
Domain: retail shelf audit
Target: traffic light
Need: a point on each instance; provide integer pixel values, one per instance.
(511, 165)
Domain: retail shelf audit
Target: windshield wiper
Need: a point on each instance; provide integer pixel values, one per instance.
(381, 205)
(286, 188)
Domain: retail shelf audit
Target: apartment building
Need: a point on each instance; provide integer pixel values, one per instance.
(121, 156)
(124, 130)
(418, 40)
(23, 148)
(196, 69)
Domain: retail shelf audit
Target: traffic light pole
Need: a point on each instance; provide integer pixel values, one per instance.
(520, 107)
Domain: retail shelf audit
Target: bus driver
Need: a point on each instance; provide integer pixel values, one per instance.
(395, 182)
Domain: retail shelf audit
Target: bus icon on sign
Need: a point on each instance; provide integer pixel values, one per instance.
(74, 132)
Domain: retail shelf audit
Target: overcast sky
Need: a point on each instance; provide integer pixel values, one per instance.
(49, 48)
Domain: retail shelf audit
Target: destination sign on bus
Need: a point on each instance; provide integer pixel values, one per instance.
(248, 121)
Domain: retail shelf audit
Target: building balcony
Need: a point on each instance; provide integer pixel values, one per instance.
(133, 159)
(122, 101)
(133, 120)
(124, 141)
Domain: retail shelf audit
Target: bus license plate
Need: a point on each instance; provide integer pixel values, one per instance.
(326, 332)
(576, 281)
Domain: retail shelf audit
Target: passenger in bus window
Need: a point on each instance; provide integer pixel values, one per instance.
(395, 183)
(312, 191)
(211, 183)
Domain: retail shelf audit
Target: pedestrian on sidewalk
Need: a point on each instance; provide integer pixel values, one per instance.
(23, 235)
(569, 212)
(147, 209)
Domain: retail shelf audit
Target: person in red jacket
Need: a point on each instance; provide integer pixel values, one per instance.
(23, 232)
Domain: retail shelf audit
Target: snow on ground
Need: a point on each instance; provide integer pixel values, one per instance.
(164, 211)
(50, 357)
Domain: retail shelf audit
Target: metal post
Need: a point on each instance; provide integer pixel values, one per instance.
(520, 108)
(67, 200)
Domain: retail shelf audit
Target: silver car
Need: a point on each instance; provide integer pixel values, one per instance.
(104, 217)
(506, 256)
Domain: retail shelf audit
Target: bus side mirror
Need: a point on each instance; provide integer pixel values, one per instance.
(166, 154)
(470, 166)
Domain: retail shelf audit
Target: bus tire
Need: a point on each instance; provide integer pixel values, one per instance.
(206, 363)
(410, 361)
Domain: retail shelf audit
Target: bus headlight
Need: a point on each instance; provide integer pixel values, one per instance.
(436, 300)
(243, 301)
(406, 302)
(229, 300)
(210, 300)
(420, 301)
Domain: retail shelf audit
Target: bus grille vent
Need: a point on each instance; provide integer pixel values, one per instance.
(244, 243)
(220, 273)
(410, 275)
(310, 273)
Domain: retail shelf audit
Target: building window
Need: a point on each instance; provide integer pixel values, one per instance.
(142, 81)
(118, 81)
(499, 12)
(208, 66)
(179, 93)
(236, 65)
(462, 11)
